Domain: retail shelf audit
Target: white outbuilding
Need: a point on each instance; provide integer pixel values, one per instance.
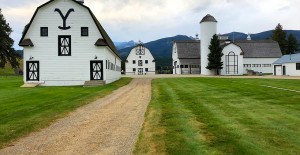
(64, 44)
(140, 61)
(287, 65)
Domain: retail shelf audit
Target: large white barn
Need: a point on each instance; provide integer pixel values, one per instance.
(64, 44)
(140, 61)
(239, 56)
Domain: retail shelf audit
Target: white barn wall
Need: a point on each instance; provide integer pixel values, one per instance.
(112, 74)
(176, 69)
(65, 70)
(259, 61)
(291, 69)
(237, 50)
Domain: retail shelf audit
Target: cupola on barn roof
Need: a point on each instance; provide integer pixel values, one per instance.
(208, 18)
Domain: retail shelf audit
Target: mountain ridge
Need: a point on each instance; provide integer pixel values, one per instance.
(161, 49)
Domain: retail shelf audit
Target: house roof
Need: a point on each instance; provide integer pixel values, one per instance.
(105, 36)
(289, 58)
(208, 18)
(188, 49)
(259, 48)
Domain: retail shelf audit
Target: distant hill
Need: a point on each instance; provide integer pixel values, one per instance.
(161, 49)
(121, 45)
(261, 35)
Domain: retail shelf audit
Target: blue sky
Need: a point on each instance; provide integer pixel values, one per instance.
(149, 20)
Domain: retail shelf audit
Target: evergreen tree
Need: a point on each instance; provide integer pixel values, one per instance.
(292, 44)
(215, 55)
(279, 35)
(7, 52)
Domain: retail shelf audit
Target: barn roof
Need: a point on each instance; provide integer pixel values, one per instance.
(188, 49)
(289, 58)
(105, 36)
(259, 48)
(208, 18)
(190, 61)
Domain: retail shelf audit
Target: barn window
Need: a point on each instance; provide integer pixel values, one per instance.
(84, 31)
(64, 45)
(140, 50)
(231, 63)
(140, 63)
(44, 31)
(297, 66)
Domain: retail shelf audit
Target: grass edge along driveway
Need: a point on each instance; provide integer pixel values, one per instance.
(24, 110)
(221, 116)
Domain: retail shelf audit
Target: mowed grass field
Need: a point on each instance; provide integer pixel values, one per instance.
(222, 116)
(23, 110)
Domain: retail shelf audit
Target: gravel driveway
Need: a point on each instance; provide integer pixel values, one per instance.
(107, 126)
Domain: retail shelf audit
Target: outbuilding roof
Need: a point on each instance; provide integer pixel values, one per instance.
(188, 49)
(105, 36)
(289, 58)
(259, 48)
(208, 18)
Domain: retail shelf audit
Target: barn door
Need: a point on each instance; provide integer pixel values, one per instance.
(140, 71)
(96, 68)
(32, 71)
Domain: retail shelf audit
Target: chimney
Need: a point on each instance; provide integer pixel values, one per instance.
(80, 1)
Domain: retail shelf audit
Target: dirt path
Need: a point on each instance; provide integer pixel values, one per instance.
(107, 126)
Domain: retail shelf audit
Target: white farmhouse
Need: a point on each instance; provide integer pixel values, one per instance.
(140, 61)
(239, 56)
(64, 44)
(287, 65)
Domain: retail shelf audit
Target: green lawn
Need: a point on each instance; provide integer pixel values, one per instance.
(23, 110)
(221, 116)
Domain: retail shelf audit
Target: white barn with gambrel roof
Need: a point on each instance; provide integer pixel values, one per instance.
(64, 44)
(140, 61)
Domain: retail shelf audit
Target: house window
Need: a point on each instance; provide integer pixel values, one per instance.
(266, 65)
(146, 69)
(44, 31)
(181, 66)
(133, 69)
(247, 65)
(133, 61)
(84, 31)
(256, 65)
(186, 66)
(64, 45)
(146, 61)
(297, 66)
